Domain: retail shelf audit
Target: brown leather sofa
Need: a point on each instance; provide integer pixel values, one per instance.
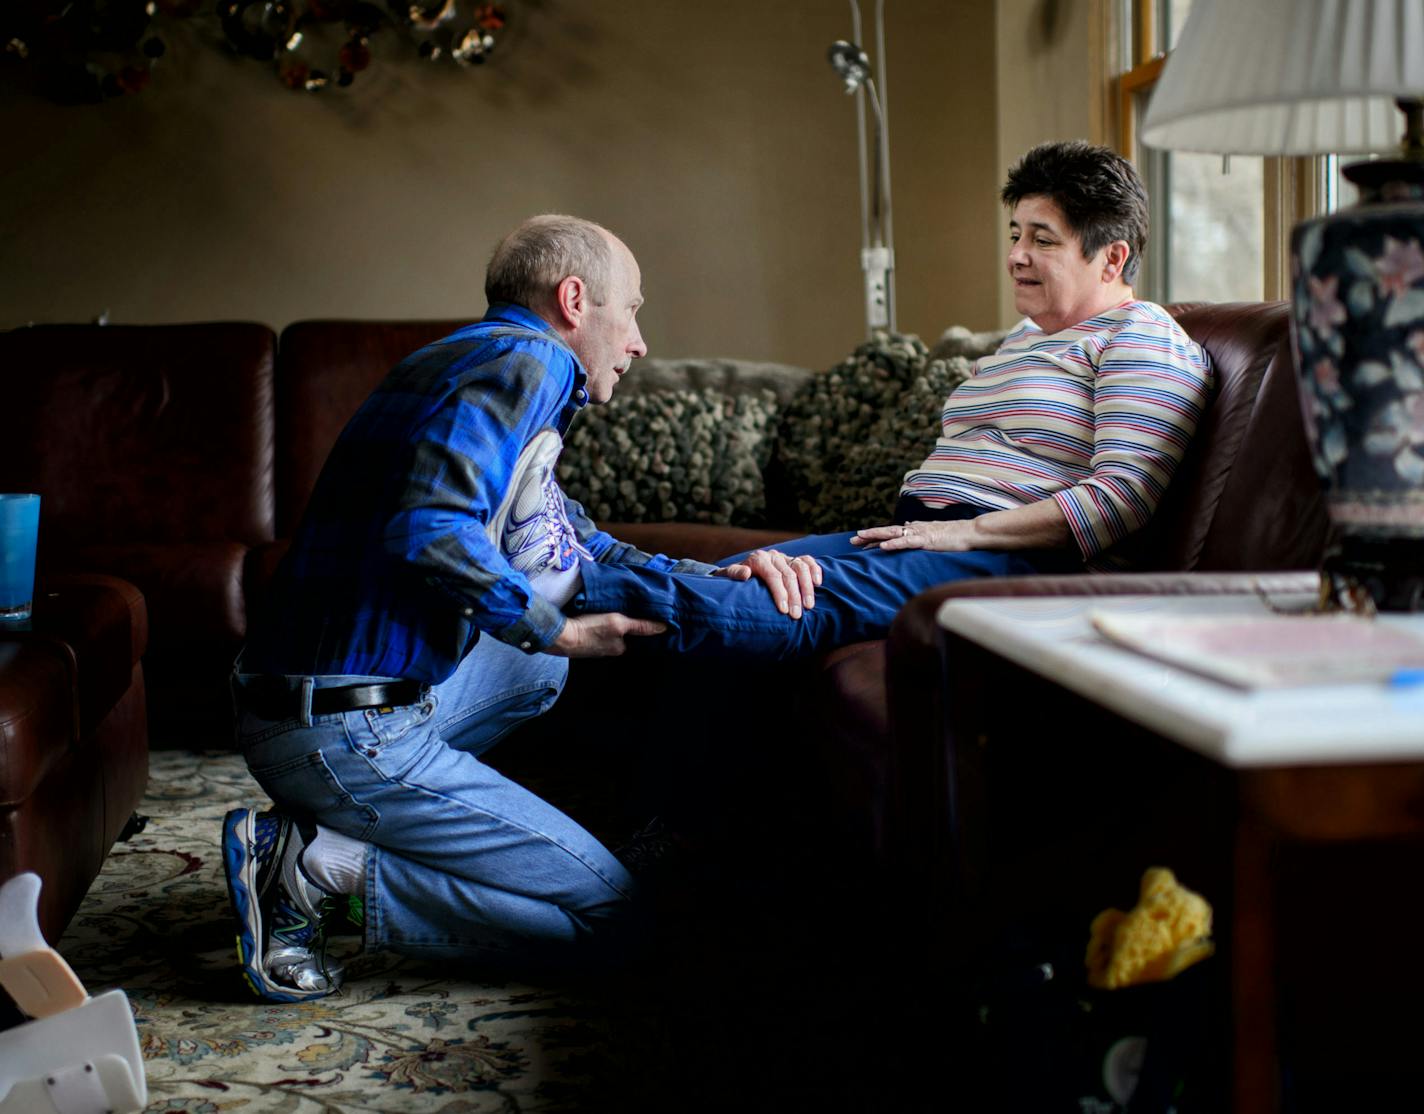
(142, 443)
(151, 446)
(73, 736)
(1245, 500)
(180, 457)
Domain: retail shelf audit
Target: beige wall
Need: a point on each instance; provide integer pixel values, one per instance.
(1050, 84)
(714, 138)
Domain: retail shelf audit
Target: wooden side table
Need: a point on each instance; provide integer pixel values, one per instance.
(1085, 763)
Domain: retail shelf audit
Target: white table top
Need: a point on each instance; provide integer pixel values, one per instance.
(1310, 725)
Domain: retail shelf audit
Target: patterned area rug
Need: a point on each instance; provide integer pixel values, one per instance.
(398, 1038)
(738, 1005)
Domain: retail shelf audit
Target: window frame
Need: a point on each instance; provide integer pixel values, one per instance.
(1295, 189)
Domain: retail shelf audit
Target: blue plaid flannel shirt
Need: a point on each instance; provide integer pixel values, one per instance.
(390, 573)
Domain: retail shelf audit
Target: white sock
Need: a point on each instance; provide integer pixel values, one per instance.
(558, 585)
(335, 862)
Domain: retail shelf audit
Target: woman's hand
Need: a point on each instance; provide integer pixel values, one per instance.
(1039, 525)
(954, 536)
(790, 580)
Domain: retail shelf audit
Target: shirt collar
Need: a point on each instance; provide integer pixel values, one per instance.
(507, 313)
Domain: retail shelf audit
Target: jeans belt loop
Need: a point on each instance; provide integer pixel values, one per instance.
(304, 711)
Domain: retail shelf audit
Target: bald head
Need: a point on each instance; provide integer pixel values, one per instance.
(531, 261)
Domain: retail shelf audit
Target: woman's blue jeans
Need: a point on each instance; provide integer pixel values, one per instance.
(860, 593)
(463, 862)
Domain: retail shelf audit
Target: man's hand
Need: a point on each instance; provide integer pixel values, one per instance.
(601, 635)
(791, 581)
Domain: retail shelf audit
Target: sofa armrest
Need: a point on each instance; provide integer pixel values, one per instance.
(699, 541)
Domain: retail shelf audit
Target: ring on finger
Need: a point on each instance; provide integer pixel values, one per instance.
(904, 531)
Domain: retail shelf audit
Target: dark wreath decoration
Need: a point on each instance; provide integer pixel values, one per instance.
(81, 51)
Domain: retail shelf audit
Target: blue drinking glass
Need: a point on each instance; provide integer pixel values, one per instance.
(19, 531)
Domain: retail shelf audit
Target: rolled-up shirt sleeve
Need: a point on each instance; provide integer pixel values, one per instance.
(608, 550)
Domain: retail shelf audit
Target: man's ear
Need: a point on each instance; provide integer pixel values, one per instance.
(1117, 256)
(571, 301)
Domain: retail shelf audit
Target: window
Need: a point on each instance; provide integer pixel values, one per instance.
(1337, 191)
(1209, 227)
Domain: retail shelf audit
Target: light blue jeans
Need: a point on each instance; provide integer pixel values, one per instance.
(464, 863)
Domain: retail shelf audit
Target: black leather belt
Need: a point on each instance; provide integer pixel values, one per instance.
(273, 698)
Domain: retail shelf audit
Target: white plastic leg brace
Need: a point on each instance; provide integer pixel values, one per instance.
(79, 1055)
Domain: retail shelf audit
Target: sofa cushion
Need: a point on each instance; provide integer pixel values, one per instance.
(196, 605)
(672, 456)
(325, 371)
(714, 376)
(140, 433)
(693, 540)
(1267, 506)
(193, 591)
(682, 440)
(1245, 495)
(849, 435)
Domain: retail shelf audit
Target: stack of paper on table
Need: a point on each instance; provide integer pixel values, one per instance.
(1270, 650)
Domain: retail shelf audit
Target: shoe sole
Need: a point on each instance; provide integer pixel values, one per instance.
(519, 526)
(240, 865)
(494, 529)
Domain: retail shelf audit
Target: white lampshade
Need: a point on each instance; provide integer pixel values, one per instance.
(1289, 77)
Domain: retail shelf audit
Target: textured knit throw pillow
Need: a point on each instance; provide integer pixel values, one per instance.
(672, 456)
(850, 434)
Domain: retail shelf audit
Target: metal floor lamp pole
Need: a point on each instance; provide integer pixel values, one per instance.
(877, 252)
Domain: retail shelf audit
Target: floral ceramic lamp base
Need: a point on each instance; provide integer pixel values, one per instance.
(1358, 333)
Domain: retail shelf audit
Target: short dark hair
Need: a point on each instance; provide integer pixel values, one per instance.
(1099, 191)
(531, 261)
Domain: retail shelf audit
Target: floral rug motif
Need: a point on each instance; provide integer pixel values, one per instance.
(399, 1036)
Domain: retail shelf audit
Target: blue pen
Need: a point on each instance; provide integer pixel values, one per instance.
(1406, 678)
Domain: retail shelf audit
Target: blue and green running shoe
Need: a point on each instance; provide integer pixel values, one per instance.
(280, 914)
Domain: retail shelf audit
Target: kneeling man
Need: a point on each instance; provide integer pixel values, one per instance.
(417, 619)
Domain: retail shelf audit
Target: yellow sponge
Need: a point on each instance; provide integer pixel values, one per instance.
(1167, 931)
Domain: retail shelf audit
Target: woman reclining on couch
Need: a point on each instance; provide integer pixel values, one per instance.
(1059, 446)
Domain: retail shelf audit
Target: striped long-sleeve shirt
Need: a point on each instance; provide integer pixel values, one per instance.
(391, 572)
(1095, 417)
